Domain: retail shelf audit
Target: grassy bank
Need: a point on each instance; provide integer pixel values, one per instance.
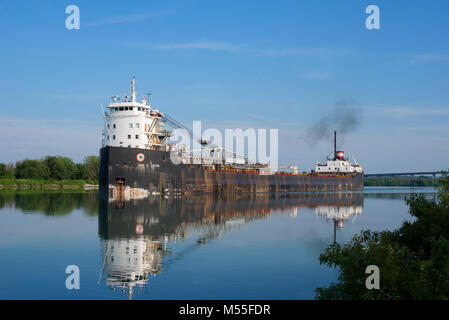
(47, 184)
(80, 184)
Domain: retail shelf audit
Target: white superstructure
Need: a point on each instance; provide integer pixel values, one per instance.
(337, 165)
(130, 262)
(130, 123)
(339, 212)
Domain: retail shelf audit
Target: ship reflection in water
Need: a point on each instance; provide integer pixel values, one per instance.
(136, 235)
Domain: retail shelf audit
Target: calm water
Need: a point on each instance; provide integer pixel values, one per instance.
(196, 248)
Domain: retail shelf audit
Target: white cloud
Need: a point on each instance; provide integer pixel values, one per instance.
(77, 97)
(127, 18)
(243, 48)
(304, 52)
(410, 111)
(429, 57)
(214, 46)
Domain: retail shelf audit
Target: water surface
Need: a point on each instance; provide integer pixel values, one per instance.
(266, 247)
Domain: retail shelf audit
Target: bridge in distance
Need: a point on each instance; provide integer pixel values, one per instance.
(405, 174)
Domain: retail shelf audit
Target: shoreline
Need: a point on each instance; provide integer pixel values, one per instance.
(86, 186)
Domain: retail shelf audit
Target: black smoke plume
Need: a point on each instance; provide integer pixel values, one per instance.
(345, 117)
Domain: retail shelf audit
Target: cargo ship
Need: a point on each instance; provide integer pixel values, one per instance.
(135, 161)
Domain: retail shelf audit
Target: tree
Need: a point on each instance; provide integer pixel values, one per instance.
(413, 260)
(61, 168)
(2, 170)
(92, 164)
(32, 169)
(10, 171)
(81, 171)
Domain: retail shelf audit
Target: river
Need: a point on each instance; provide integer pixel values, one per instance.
(265, 247)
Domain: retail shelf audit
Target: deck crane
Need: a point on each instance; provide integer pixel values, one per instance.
(294, 168)
(177, 125)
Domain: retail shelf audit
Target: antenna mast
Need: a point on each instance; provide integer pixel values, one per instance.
(133, 93)
(335, 144)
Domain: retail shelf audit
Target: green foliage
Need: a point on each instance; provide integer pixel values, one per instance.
(92, 164)
(400, 182)
(61, 168)
(10, 171)
(42, 183)
(32, 169)
(413, 260)
(443, 190)
(81, 171)
(50, 170)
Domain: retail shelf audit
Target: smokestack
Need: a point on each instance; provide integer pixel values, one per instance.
(335, 144)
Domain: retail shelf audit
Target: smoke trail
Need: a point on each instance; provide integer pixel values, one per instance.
(345, 117)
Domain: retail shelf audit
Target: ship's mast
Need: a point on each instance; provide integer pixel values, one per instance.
(133, 92)
(335, 145)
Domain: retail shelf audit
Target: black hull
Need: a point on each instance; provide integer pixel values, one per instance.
(121, 174)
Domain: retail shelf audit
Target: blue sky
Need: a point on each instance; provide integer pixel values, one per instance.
(231, 64)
